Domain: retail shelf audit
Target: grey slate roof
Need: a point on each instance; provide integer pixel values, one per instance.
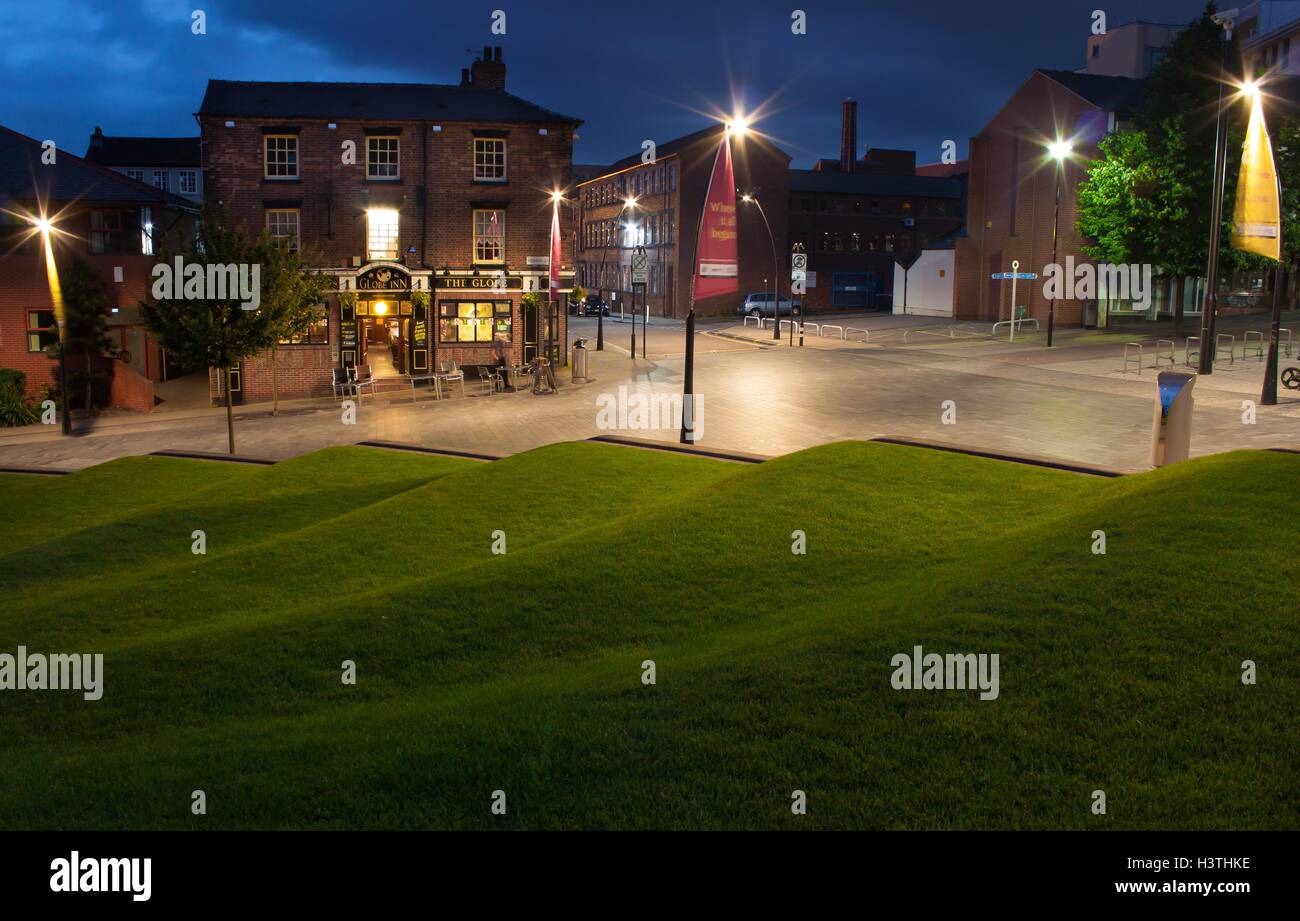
(141, 151)
(808, 180)
(24, 178)
(372, 102)
(1110, 94)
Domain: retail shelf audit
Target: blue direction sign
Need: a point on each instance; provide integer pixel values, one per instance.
(1007, 276)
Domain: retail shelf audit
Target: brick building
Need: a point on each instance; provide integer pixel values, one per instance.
(856, 216)
(1012, 191)
(170, 164)
(390, 189)
(669, 194)
(114, 225)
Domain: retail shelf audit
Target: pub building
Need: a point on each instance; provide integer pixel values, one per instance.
(393, 189)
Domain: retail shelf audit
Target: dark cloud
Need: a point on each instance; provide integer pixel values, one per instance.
(922, 72)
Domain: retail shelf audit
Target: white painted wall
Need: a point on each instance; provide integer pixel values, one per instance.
(927, 286)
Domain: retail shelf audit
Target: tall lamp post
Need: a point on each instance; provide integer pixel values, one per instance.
(1060, 152)
(1210, 306)
(776, 267)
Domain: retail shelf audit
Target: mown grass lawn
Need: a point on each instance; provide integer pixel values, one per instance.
(522, 672)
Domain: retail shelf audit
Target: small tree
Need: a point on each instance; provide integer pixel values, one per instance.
(85, 326)
(293, 307)
(218, 332)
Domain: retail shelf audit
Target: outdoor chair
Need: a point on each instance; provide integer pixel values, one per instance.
(454, 374)
(344, 384)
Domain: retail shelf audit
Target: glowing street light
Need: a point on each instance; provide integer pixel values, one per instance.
(1060, 151)
(749, 199)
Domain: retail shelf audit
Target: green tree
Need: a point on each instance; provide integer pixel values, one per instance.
(85, 327)
(1116, 200)
(218, 332)
(293, 303)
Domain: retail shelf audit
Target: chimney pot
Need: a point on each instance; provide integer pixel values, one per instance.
(487, 52)
(848, 135)
(496, 53)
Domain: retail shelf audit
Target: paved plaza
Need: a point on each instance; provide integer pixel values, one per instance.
(1073, 403)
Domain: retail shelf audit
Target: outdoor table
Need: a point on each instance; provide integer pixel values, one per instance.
(425, 378)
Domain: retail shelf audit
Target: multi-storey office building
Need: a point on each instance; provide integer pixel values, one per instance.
(391, 189)
(667, 193)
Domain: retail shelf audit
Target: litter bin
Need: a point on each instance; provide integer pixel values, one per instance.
(578, 360)
(1171, 434)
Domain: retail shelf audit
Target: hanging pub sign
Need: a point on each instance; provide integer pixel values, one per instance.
(384, 278)
(479, 282)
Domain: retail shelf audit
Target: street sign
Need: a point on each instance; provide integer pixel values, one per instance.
(1008, 276)
(640, 268)
(799, 262)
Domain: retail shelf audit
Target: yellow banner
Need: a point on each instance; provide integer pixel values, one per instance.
(1257, 216)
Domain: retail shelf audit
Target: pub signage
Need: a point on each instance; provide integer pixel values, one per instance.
(480, 283)
(384, 278)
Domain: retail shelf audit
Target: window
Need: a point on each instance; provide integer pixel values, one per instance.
(473, 321)
(283, 225)
(41, 330)
(281, 156)
(489, 236)
(382, 233)
(381, 158)
(189, 180)
(146, 231)
(672, 177)
(316, 334)
(489, 160)
(106, 232)
(136, 174)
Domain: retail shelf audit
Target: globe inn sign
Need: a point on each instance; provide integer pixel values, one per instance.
(426, 237)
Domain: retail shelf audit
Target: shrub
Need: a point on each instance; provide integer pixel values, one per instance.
(15, 408)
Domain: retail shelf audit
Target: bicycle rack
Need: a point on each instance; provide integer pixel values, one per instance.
(1127, 347)
(1256, 343)
(1170, 356)
(826, 326)
(1189, 351)
(1232, 346)
(866, 333)
(1285, 334)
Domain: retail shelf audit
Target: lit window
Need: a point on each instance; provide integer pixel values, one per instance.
(189, 182)
(281, 156)
(381, 158)
(473, 321)
(489, 236)
(146, 231)
(489, 160)
(41, 330)
(283, 226)
(317, 333)
(382, 234)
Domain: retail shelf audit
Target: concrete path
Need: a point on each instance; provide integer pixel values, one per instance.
(757, 398)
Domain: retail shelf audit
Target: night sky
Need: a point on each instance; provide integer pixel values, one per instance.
(922, 72)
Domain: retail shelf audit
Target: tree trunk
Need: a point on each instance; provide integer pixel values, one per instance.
(1179, 283)
(89, 387)
(275, 381)
(230, 413)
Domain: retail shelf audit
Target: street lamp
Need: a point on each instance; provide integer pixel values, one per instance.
(776, 269)
(45, 227)
(1059, 151)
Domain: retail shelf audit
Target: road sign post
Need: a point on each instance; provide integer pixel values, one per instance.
(1014, 276)
(640, 272)
(798, 286)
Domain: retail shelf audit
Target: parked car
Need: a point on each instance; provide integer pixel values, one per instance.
(759, 304)
(591, 307)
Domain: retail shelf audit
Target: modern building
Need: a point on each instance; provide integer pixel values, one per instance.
(1269, 31)
(170, 164)
(1129, 50)
(392, 189)
(856, 217)
(667, 192)
(112, 223)
(1013, 181)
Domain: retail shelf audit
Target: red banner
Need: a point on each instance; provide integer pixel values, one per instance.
(715, 253)
(555, 250)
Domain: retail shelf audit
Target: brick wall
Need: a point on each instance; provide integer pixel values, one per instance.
(1012, 198)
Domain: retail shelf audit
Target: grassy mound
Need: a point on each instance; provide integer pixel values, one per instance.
(522, 671)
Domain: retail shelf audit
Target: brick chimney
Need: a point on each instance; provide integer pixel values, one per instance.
(848, 135)
(489, 71)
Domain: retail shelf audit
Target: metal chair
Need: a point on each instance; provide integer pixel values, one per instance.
(344, 383)
(454, 374)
